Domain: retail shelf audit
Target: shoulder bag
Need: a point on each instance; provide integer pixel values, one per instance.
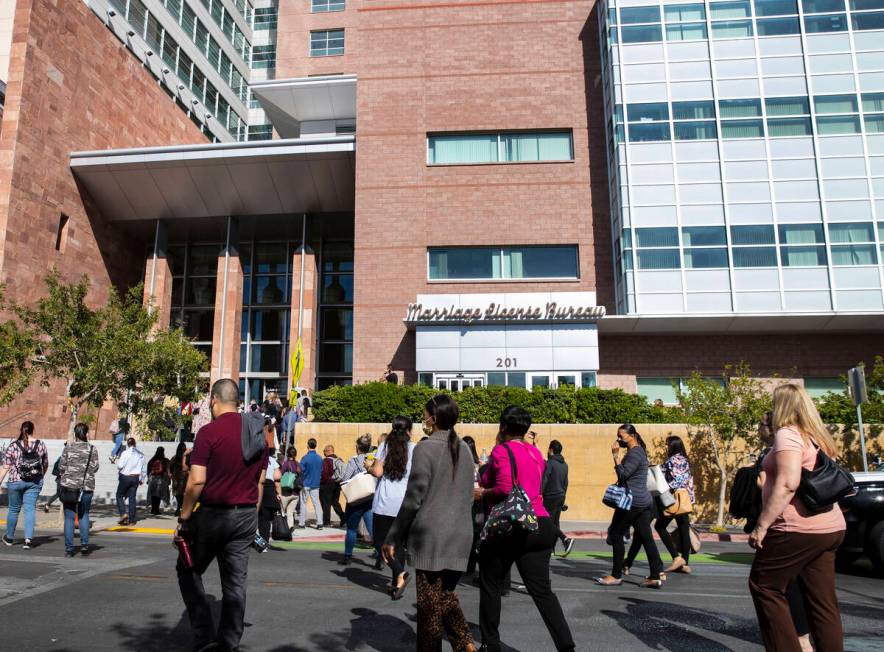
(514, 512)
(359, 487)
(682, 504)
(825, 485)
(279, 527)
(72, 495)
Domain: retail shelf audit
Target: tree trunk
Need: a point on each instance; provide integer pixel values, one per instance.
(75, 410)
(722, 493)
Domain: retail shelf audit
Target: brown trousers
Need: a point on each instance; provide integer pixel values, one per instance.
(809, 558)
(438, 609)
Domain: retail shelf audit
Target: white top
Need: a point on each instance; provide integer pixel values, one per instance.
(132, 462)
(389, 494)
(272, 465)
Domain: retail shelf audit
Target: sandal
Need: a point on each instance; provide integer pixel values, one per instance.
(684, 569)
(677, 564)
(652, 584)
(608, 581)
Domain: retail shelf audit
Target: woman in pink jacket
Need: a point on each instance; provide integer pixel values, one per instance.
(530, 552)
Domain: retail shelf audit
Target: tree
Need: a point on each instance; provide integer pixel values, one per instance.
(112, 352)
(724, 418)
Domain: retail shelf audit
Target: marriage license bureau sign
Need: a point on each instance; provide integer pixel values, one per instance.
(494, 312)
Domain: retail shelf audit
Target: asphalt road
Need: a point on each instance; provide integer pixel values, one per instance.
(125, 597)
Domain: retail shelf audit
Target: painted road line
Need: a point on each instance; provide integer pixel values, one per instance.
(140, 530)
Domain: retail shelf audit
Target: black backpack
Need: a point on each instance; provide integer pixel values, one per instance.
(252, 435)
(30, 467)
(745, 499)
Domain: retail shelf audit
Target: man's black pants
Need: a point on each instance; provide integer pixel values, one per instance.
(553, 505)
(225, 534)
(530, 553)
(329, 498)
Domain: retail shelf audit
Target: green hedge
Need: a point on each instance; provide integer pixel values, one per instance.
(380, 402)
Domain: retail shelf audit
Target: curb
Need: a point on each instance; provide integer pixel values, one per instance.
(723, 537)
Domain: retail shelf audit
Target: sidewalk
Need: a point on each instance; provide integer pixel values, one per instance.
(104, 519)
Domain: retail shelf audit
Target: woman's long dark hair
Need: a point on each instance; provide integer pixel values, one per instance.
(26, 430)
(471, 444)
(159, 455)
(81, 431)
(632, 432)
(675, 446)
(396, 459)
(445, 413)
(179, 454)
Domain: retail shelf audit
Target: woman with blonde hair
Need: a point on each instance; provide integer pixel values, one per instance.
(791, 542)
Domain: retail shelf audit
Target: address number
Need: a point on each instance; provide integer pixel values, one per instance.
(507, 362)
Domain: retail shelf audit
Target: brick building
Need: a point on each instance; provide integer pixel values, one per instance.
(472, 192)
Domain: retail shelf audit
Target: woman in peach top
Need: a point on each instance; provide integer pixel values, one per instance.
(792, 542)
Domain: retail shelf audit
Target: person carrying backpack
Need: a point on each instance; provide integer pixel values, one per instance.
(25, 462)
(291, 483)
(330, 486)
(158, 484)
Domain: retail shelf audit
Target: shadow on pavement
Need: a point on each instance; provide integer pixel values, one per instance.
(665, 626)
(365, 579)
(153, 634)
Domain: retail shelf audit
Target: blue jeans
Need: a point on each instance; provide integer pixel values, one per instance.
(126, 489)
(22, 493)
(81, 510)
(118, 443)
(352, 515)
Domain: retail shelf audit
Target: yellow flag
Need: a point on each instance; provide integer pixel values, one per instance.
(297, 363)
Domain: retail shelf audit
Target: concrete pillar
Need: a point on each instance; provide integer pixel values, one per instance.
(228, 309)
(158, 278)
(304, 299)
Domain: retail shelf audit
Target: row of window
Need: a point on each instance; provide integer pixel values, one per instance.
(734, 19)
(705, 247)
(155, 35)
(265, 18)
(318, 6)
(264, 56)
(499, 147)
(224, 19)
(742, 118)
(664, 389)
(501, 263)
(209, 47)
(245, 9)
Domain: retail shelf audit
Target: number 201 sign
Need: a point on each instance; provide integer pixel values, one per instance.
(507, 362)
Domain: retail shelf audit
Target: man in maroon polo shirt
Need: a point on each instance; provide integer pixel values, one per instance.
(228, 490)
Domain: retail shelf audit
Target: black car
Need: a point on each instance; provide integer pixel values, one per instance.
(864, 513)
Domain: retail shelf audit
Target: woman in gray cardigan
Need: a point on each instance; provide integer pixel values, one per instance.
(435, 521)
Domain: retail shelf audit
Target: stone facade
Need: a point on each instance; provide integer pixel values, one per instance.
(72, 87)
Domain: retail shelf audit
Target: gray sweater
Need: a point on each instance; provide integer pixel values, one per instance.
(632, 472)
(73, 470)
(435, 518)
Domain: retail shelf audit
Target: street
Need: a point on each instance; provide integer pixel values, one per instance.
(125, 597)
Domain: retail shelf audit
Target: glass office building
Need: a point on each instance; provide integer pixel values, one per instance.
(745, 147)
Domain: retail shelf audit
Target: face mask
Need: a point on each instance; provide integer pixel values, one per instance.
(428, 427)
(622, 443)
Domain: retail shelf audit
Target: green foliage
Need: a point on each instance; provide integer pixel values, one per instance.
(837, 407)
(379, 402)
(107, 353)
(724, 420)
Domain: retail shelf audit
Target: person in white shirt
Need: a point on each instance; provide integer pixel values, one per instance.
(133, 470)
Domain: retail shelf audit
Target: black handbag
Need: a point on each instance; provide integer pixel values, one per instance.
(825, 485)
(514, 512)
(279, 528)
(71, 496)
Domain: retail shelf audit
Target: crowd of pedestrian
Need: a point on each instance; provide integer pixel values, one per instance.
(438, 506)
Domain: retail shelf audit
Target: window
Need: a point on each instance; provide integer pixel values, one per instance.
(802, 234)
(260, 132)
(752, 234)
(819, 387)
(872, 20)
(264, 56)
(61, 233)
(647, 112)
(701, 110)
(788, 127)
(778, 26)
(837, 125)
(835, 104)
(630, 15)
(783, 106)
(588, 379)
(657, 237)
(873, 102)
(830, 23)
(499, 147)
(684, 13)
(755, 257)
(705, 258)
(662, 389)
(859, 5)
(842, 237)
(641, 34)
(336, 315)
(742, 129)
(739, 9)
(822, 6)
(732, 29)
(695, 130)
(318, 6)
(489, 263)
(265, 18)
(739, 108)
(775, 7)
(694, 111)
(326, 43)
(648, 132)
(659, 259)
(703, 236)
(777, 106)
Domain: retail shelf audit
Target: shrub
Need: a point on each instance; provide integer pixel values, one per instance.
(379, 402)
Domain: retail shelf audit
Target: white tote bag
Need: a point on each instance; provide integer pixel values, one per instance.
(658, 485)
(359, 487)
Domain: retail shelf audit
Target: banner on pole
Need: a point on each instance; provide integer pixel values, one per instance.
(297, 363)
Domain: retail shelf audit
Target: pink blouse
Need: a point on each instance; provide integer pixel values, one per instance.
(497, 475)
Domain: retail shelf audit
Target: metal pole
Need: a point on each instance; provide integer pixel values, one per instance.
(303, 262)
(862, 436)
(224, 301)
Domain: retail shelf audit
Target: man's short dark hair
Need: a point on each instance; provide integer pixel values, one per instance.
(130, 442)
(556, 447)
(226, 391)
(515, 421)
(311, 444)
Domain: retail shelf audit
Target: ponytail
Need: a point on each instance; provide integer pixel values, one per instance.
(632, 432)
(445, 414)
(26, 430)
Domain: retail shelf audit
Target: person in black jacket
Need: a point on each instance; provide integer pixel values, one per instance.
(554, 487)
